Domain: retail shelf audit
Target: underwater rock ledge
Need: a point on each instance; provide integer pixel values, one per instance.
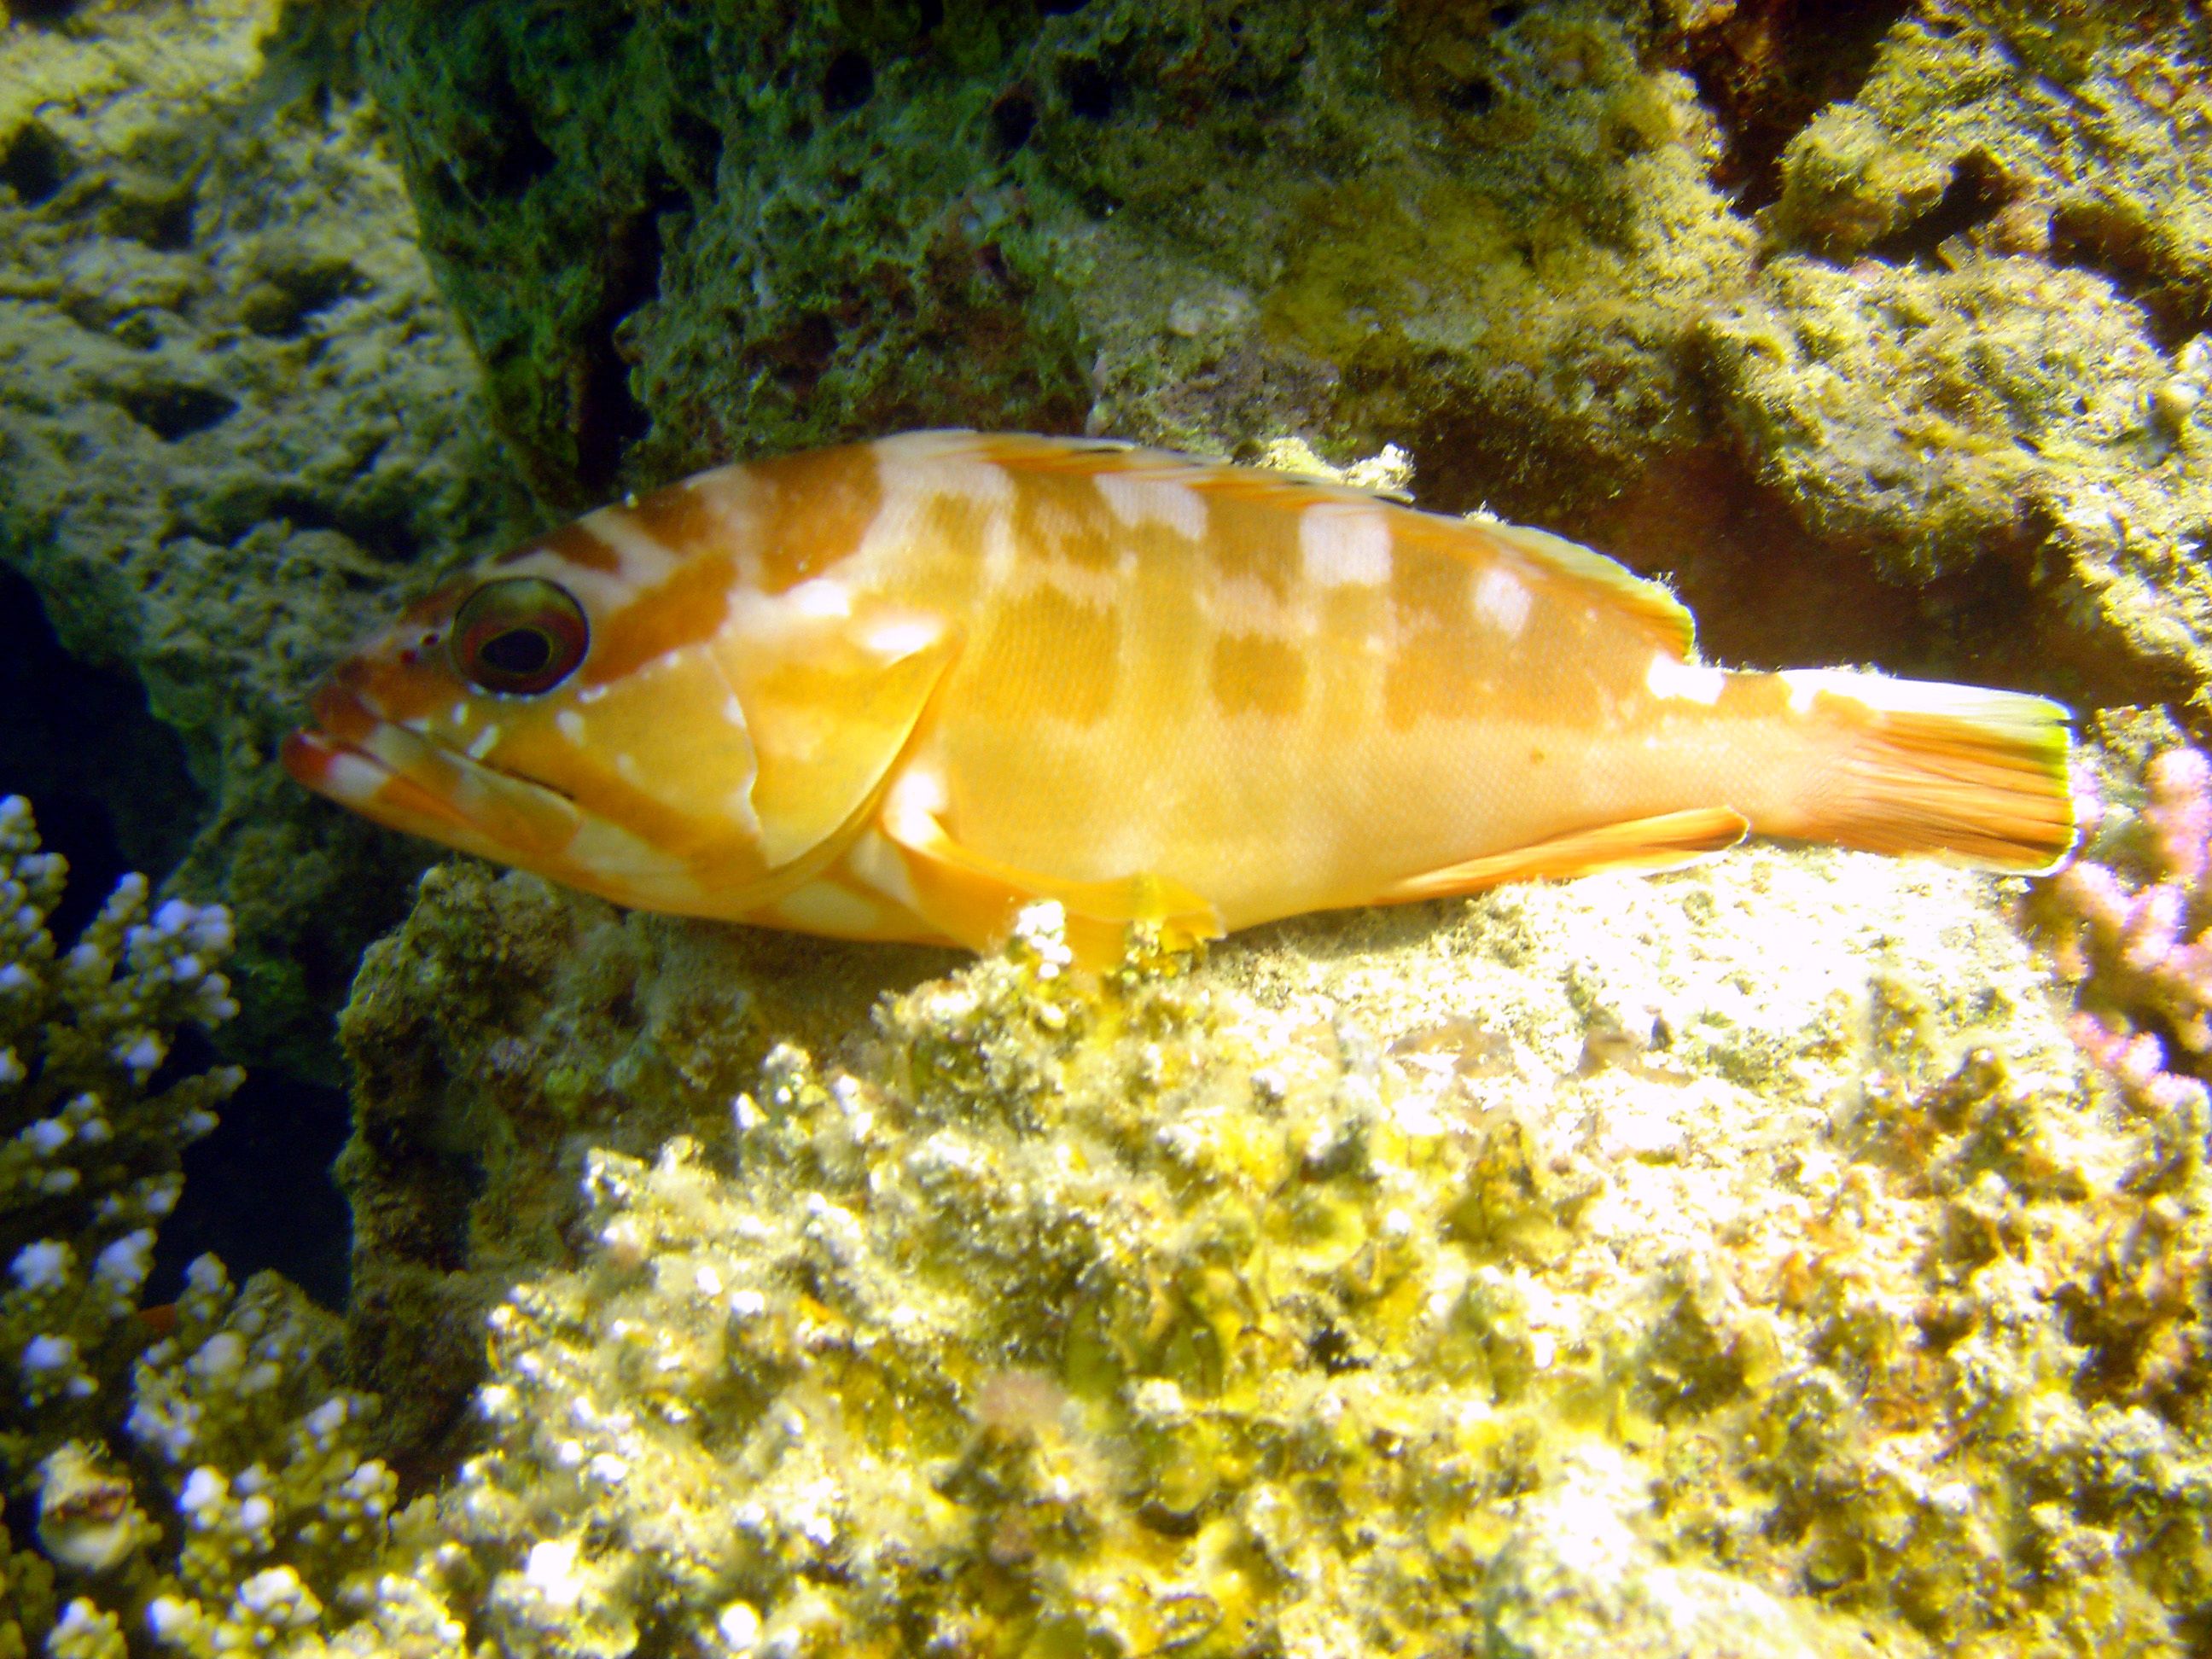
(1580, 1264)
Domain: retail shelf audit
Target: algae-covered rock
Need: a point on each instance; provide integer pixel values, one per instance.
(1935, 405)
(1984, 345)
(1733, 1262)
(685, 232)
(500, 1036)
(235, 417)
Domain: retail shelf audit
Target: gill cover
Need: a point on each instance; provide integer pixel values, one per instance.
(831, 703)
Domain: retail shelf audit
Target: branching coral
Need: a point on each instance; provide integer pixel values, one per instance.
(219, 1501)
(2142, 950)
(275, 1527)
(93, 1128)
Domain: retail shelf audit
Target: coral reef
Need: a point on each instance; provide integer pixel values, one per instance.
(275, 1524)
(2129, 922)
(1742, 1261)
(1977, 345)
(1569, 1266)
(235, 417)
(506, 1030)
(263, 1508)
(2140, 951)
(94, 1128)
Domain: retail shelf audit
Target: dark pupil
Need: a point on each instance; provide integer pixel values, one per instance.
(519, 651)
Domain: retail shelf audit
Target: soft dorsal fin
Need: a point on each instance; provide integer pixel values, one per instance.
(1650, 601)
(1473, 540)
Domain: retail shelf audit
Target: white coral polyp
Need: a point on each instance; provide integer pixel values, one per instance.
(42, 1265)
(121, 1267)
(276, 1596)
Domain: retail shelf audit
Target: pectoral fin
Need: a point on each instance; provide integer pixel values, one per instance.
(973, 899)
(828, 709)
(1666, 842)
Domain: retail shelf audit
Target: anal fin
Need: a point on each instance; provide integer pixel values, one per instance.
(1665, 843)
(974, 898)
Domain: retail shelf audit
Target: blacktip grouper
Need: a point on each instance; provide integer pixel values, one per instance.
(900, 689)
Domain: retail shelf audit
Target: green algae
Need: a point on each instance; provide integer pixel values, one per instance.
(1038, 221)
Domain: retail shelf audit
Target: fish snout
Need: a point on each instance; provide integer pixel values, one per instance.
(357, 756)
(327, 756)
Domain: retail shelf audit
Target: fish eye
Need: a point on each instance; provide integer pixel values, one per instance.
(518, 637)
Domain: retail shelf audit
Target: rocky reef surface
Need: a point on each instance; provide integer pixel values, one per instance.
(235, 417)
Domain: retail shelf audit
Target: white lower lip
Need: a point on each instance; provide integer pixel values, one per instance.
(346, 774)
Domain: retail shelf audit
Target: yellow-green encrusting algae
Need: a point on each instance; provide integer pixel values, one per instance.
(1740, 1262)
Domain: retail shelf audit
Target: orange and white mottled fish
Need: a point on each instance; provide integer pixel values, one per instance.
(898, 691)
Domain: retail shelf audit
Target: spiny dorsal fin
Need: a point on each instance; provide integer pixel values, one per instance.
(1475, 540)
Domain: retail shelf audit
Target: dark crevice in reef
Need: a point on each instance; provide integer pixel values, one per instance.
(1769, 67)
(258, 1191)
(848, 83)
(385, 532)
(501, 154)
(1092, 89)
(1978, 192)
(35, 165)
(173, 410)
(109, 786)
(609, 416)
(106, 780)
(2114, 241)
(42, 11)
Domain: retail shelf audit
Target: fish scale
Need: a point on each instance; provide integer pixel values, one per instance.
(899, 690)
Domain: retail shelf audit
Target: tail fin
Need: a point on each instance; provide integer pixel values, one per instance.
(1975, 776)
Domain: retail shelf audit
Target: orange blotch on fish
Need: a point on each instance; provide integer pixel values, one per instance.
(683, 518)
(1049, 525)
(688, 607)
(1051, 656)
(810, 511)
(1432, 676)
(1248, 543)
(1258, 674)
(900, 689)
(1431, 589)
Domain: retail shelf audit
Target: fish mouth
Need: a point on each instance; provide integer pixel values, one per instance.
(407, 781)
